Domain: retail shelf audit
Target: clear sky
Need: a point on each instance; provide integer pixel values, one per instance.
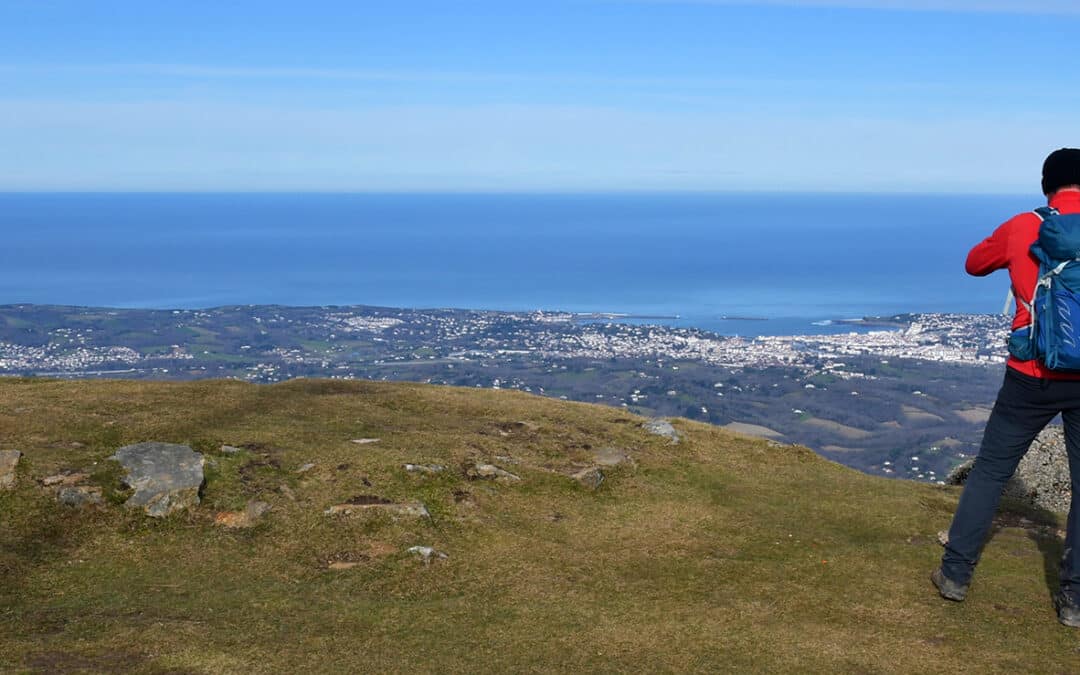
(522, 95)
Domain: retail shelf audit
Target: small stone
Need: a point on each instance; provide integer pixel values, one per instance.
(304, 468)
(8, 460)
(591, 477)
(166, 477)
(365, 441)
(499, 475)
(230, 450)
(662, 427)
(527, 425)
(424, 468)
(342, 565)
(79, 496)
(407, 509)
(287, 491)
(943, 537)
(427, 553)
(64, 479)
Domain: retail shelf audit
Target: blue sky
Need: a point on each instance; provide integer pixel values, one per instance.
(558, 95)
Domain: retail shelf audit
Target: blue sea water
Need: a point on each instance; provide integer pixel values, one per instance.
(794, 260)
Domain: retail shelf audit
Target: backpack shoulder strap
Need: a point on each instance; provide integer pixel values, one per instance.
(1044, 212)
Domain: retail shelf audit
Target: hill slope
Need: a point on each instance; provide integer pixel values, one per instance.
(718, 553)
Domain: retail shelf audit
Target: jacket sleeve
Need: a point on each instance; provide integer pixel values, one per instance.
(990, 254)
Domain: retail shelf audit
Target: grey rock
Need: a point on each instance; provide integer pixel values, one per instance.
(79, 496)
(230, 450)
(407, 509)
(591, 477)
(166, 477)
(427, 553)
(662, 427)
(492, 472)
(365, 441)
(8, 460)
(304, 468)
(1042, 478)
(424, 468)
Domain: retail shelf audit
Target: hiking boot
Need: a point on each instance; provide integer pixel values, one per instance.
(949, 589)
(1068, 612)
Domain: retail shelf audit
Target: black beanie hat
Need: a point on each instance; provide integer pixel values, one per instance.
(1061, 168)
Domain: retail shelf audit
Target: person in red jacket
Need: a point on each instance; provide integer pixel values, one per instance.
(1029, 398)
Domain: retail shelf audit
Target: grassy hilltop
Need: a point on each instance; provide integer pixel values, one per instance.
(717, 553)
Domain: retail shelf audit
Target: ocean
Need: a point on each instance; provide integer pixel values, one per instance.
(732, 263)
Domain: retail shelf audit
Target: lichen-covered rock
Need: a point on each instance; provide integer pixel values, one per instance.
(64, 479)
(406, 509)
(8, 460)
(427, 553)
(492, 472)
(1041, 479)
(424, 468)
(591, 477)
(662, 427)
(166, 477)
(78, 496)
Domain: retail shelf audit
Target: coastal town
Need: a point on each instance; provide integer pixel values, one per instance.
(873, 395)
(344, 343)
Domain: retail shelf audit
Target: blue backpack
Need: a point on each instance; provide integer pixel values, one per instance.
(1053, 335)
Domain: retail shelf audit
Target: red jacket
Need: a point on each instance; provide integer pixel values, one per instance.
(1008, 248)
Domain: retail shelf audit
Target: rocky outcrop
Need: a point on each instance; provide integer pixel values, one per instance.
(166, 477)
(1041, 479)
(8, 460)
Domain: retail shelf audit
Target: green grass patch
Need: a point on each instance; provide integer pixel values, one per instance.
(721, 553)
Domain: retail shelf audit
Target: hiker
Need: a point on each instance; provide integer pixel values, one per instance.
(1033, 392)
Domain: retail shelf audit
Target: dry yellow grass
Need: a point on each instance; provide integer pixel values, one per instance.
(721, 553)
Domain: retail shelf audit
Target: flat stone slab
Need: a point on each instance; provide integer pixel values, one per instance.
(8, 460)
(427, 553)
(80, 496)
(407, 509)
(166, 477)
(424, 468)
(662, 427)
(492, 472)
(64, 479)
